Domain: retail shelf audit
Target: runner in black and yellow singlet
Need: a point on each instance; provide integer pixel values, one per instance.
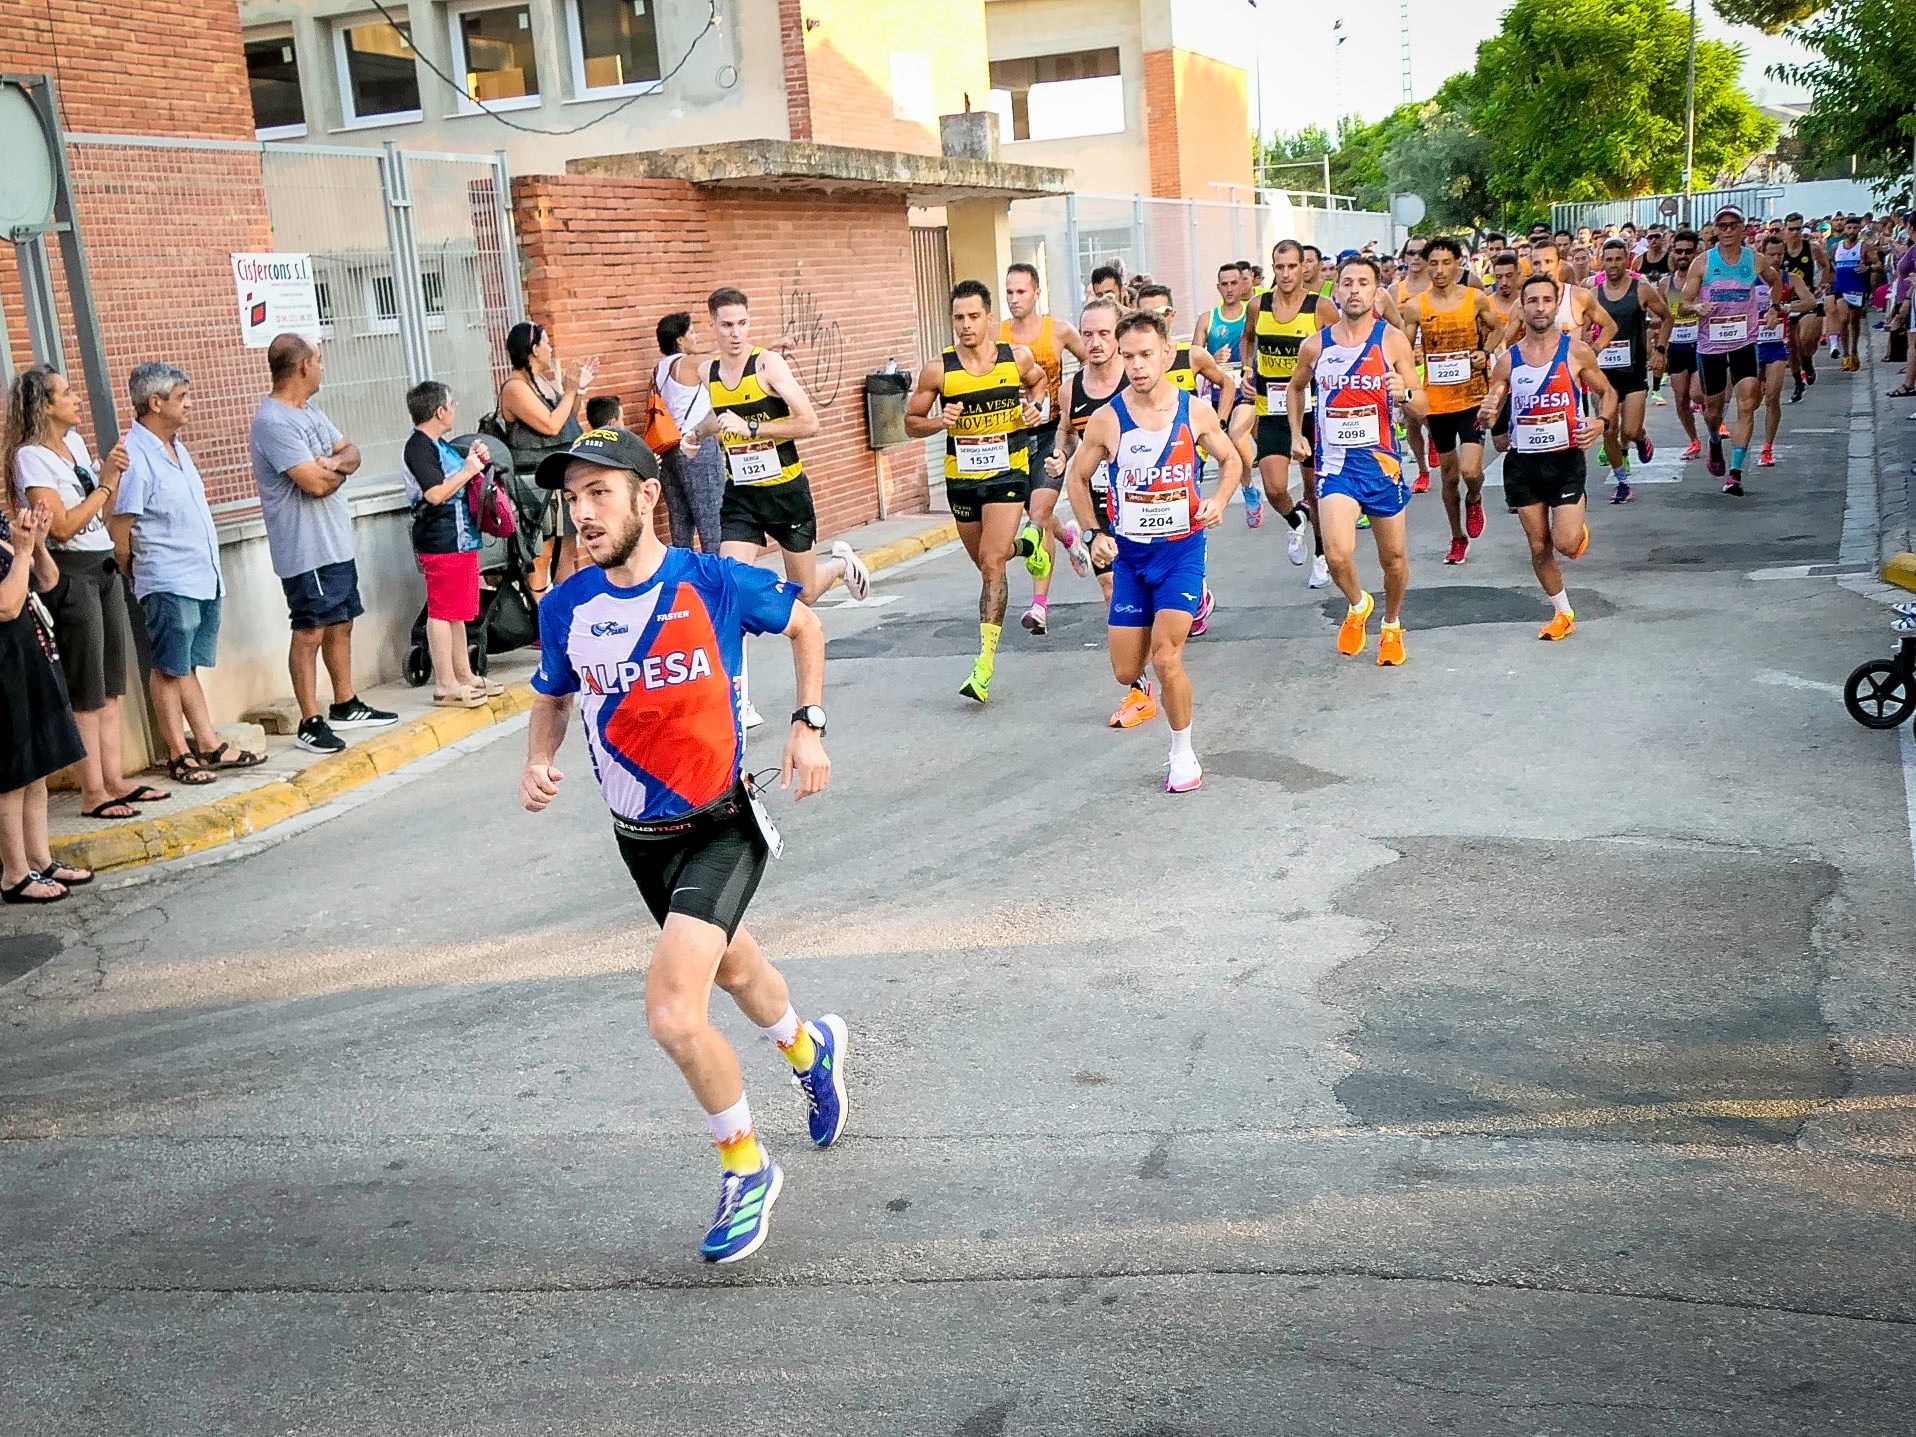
(759, 412)
(982, 394)
(1281, 320)
(1049, 339)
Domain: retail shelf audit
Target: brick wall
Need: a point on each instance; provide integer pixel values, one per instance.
(1197, 123)
(839, 74)
(608, 256)
(158, 224)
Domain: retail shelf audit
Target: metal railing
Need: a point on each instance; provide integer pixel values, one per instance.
(415, 270)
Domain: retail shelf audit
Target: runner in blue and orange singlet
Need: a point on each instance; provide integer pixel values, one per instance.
(649, 643)
(1151, 531)
(1360, 368)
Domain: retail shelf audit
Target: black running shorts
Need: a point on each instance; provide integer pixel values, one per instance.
(780, 514)
(1721, 371)
(968, 501)
(1680, 360)
(1039, 444)
(1274, 435)
(1447, 431)
(709, 872)
(1551, 479)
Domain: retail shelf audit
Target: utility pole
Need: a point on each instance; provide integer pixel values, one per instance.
(1337, 78)
(1403, 42)
(1689, 126)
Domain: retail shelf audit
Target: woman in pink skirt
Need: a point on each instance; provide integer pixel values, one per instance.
(445, 536)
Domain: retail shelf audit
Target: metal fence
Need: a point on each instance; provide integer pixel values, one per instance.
(416, 276)
(1180, 243)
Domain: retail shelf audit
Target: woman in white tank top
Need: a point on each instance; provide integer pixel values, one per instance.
(695, 483)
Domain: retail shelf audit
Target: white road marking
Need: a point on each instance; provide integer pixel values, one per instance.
(1858, 547)
(1907, 736)
(1776, 678)
(1788, 571)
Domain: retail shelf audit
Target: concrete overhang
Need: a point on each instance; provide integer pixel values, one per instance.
(827, 169)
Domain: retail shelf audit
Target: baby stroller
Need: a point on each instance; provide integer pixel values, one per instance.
(508, 613)
(1882, 692)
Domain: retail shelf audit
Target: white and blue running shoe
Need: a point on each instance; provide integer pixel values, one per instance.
(823, 1084)
(744, 1213)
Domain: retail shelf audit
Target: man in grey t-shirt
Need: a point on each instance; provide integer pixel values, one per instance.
(300, 460)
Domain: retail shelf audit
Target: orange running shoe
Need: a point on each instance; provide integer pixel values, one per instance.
(1138, 707)
(1421, 484)
(1390, 645)
(1583, 543)
(1561, 626)
(1351, 637)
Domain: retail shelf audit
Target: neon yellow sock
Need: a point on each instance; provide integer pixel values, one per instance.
(988, 636)
(741, 1153)
(801, 1052)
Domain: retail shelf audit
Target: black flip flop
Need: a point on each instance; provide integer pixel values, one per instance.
(18, 893)
(145, 793)
(52, 876)
(101, 812)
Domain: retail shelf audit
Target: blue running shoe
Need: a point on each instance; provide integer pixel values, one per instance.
(744, 1213)
(1253, 506)
(824, 1083)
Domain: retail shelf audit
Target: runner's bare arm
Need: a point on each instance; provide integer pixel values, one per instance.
(1693, 282)
(1067, 443)
(1326, 311)
(1651, 298)
(1100, 438)
(1499, 387)
(925, 413)
(1209, 433)
(1307, 356)
(1403, 367)
(1583, 364)
(1069, 340)
(1206, 367)
(545, 731)
(777, 377)
(804, 758)
(1387, 306)
(1031, 378)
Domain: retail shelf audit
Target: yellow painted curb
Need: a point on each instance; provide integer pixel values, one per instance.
(1901, 571)
(208, 825)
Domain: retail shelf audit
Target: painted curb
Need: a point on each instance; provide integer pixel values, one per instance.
(1901, 571)
(224, 820)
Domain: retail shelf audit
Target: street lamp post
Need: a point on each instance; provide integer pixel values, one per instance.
(1689, 125)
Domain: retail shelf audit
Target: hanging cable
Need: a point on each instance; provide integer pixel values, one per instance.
(711, 24)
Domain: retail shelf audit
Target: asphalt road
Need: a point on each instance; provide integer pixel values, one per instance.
(1516, 1042)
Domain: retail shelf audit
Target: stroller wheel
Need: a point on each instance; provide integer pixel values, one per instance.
(418, 666)
(1879, 694)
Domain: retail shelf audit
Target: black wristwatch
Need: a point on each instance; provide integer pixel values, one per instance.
(812, 716)
(751, 425)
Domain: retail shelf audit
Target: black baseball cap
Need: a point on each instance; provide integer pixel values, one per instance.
(607, 448)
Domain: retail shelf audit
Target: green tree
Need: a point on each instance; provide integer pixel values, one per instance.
(1862, 85)
(1770, 15)
(1445, 160)
(1583, 99)
(1285, 160)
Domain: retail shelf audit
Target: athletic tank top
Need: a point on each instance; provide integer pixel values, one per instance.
(1181, 373)
(1154, 478)
(1544, 402)
(1450, 346)
(1567, 308)
(1803, 264)
(757, 462)
(1083, 406)
(1768, 333)
(1050, 358)
(1355, 435)
(1654, 269)
(989, 440)
(1684, 323)
(1629, 351)
(1223, 337)
(1278, 341)
(1732, 289)
(1848, 259)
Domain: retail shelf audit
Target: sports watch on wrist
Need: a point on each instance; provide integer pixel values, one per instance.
(751, 426)
(812, 716)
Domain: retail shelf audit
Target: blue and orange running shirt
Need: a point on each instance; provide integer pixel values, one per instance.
(654, 668)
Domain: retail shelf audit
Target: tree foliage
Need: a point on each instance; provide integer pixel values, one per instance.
(1446, 160)
(1862, 84)
(1583, 99)
(1768, 15)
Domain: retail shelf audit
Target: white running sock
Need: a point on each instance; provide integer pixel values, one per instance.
(1560, 601)
(1181, 743)
(732, 1123)
(785, 1031)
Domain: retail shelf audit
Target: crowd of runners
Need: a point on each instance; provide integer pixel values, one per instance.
(1326, 392)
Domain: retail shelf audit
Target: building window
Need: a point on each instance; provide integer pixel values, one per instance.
(272, 74)
(379, 291)
(377, 78)
(492, 52)
(1057, 97)
(615, 45)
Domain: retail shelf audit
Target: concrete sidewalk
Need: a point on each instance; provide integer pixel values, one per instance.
(292, 781)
